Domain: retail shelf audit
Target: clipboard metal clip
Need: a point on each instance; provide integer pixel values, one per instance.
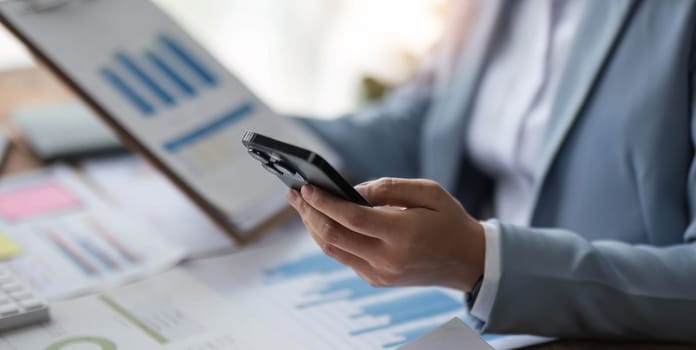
(44, 5)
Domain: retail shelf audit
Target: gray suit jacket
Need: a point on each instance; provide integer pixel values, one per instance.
(611, 250)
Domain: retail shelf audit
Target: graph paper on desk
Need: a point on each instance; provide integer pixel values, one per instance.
(170, 311)
(324, 305)
(69, 241)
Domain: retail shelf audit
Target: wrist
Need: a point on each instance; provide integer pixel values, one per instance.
(471, 258)
(478, 255)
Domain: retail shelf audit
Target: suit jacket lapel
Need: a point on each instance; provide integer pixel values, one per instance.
(444, 131)
(599, 29)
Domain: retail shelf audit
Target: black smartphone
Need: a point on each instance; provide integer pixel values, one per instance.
(296, 166)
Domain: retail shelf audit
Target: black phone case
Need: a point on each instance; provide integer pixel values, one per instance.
(297, 166)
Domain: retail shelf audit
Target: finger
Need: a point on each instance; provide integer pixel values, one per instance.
(365, 182)
(341, 256)
(331, 232)
(292, 196)
(358, 218)
(409, 193)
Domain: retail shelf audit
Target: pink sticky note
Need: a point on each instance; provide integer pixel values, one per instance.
(36, 200)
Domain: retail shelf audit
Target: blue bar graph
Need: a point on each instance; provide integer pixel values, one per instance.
(71, 253)
(188, 59)
(304, 266)
(160, 75)
(101, 257)
(380, 311)
(350, 289)
(209, 128)
(127, 92)
(138, 72)
(171, 73)
(409, 309)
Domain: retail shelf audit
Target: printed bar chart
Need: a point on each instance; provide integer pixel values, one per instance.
(350, 288)
(158, 77)
(127, 92)
(408, 309)
(385, 317)
(188, 59)
(90, 247)
(306, 265)
(204, 131)
(144, 78)
(209, 147)
(70, 240)
(170, 73)
(71, 253)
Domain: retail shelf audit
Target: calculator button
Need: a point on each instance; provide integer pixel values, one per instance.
(19, 304)
(8, 309)
(31, 304)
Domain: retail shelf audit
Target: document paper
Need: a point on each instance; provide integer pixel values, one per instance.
(141, 192)
(70, 241)
(172, 311)
(452, 335)
(321, 304)
(168, 92)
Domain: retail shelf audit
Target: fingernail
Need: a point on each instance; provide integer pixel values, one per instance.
(364, 183)
(307, 192)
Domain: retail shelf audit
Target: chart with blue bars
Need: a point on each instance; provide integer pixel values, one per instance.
(161, 76)
(404, 316)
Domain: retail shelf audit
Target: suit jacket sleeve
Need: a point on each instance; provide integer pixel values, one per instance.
(556, 283)
(383, 139)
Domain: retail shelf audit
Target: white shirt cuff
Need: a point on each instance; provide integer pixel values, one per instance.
(491, 273)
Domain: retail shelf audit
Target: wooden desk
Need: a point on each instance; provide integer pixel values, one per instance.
(18, 87)
(34, 85)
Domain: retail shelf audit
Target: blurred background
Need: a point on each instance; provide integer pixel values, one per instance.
(311, 57)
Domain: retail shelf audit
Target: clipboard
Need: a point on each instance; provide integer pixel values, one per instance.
(167, 98)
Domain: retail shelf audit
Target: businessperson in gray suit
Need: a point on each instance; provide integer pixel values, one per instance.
(558, 139)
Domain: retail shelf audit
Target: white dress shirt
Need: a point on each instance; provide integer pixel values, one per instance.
(511, 113)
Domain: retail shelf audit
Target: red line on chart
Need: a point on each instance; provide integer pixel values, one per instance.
(107, 236)
(104, 258)
(71, 253)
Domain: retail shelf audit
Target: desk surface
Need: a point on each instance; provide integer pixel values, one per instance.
(33, 85)
(17, 87)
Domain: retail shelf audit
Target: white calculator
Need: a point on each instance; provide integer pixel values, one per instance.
(19, 304)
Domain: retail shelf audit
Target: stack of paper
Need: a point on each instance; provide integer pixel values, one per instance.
(322, 304)
(171, 312)
(143, 193)
(69, 241)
